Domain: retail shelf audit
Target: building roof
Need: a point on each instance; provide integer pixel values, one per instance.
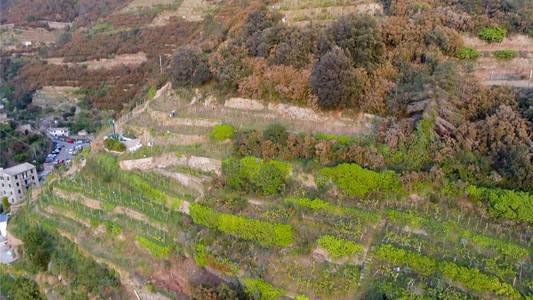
(3, 218)
(58, 128)
(15, 170)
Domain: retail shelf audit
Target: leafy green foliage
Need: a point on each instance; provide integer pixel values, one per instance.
(501, 203)
(335, 81)
(338, 248)
(264, 233)
(114, 145)
(157, 249)
(492, 34)
(468, 277)
(262, 290)
(504, 54)
(151, 93)
(37, 248)
(19, 288)
(189, 67)
(222, 132)
(5, 204)
(468, 53)
(356, 181)
(80, 273)
(253, 174)
(276, 133)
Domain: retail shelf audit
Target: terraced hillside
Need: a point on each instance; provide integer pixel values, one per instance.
(196, 208)
(515, 70)
(301, 13)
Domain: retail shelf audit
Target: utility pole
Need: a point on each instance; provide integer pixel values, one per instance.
(112, 123)
(160, 65)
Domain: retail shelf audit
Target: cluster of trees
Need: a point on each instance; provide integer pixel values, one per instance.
(17, 147)
(46, 251)
(275, 142)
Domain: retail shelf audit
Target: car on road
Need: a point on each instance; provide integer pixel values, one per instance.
(70, 141)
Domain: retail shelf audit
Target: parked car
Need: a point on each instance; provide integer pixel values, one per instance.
(61, 162)
(70, 141)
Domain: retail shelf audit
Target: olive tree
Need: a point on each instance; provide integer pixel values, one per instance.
(189, 67)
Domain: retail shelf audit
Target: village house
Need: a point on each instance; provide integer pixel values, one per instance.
(58, 131)
(17, 180)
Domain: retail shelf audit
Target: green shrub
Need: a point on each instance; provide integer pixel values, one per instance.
(468, 53)
(492, 34)
(276, 133)
(356, 181)
(156, 248)
(338, 248)
(222, 132)
(200, 255)
(151, 93)
(253, 174)
(504, 54)
(114, 145)
(261, 290)
(265, 233)
(501, 203)
(112, 228)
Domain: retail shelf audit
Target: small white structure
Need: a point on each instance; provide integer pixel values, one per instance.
(58, 131)
(3, 225)
(26, 43)
(83, 132)
(133, 145)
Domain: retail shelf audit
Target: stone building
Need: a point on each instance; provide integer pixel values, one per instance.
(17, 180)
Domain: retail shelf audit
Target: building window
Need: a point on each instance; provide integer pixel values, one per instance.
(16, 176)
(33, 178)
(19, 191)
(17, 184)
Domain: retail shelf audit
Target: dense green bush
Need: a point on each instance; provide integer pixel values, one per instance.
(468, 53)
(276, 133)
(264, 233)
(338, 248)
(254, 174)
(156, 248)
(19, 288)
(260, 290)
(501, 203)
(335, 82)
(504, 54)
(356, 181)
(222, 132)
(189, 67)
(114, 145)
(492, 34)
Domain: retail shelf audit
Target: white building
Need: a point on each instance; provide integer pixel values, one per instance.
(17, 180)
(3, 225)
(58, 131)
